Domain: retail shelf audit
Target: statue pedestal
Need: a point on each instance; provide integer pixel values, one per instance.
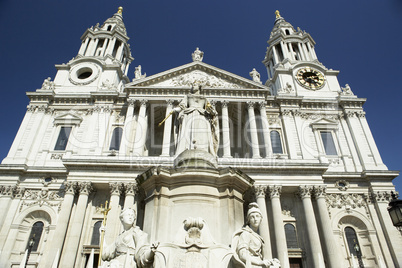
(174, 194)
(195, 159)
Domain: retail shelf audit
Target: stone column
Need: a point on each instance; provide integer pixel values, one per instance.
(288, 126)
(167, 130)
(128, 123)
(312, 231)
(392, 235)
(113, 221)
(225, 130)
(59, 236)
(131, 189)
(253, 130)
(280, 236)
(276, 58)
(7, 193)
(265, 129)
(331, 247)
(71, 246)
(260, 192)
(141, 131)
(8, 235)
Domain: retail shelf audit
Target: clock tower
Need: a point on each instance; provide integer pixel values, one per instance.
(293, 67)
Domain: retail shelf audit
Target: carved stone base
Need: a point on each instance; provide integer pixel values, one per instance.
(195, 159)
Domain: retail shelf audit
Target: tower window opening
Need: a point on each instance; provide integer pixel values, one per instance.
(109, 28)
(296, 51)
(99, 47)
(84, 73)
(280, 53)
(287, 32)
(116, 47)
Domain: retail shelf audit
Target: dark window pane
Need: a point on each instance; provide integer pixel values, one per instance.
(328, 142)
(36, 233)
(353, 243)
(276, 142)
(291, 238)
(63, 138)
(116, 139)
(96, 234)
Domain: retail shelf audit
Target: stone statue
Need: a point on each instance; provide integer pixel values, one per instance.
(197, 123)
(347, 90)
(48, 84)
(248, 244)
(197, 55)
(138, 73)
(131, 248)
(255, 75)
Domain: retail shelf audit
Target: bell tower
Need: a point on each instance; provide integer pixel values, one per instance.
(292, 64)
(102, 62)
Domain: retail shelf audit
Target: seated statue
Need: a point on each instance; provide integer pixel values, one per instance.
(248, 244)
(131, 248)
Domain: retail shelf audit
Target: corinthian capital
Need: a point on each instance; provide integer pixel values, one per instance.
(319, 191)
(70, 187)
(131, 188)
(116, 188)
(304, 191)
(274, 191)
(85, 187)
(381, 196)
(260, 190)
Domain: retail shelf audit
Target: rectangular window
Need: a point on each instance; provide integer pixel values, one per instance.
(63, 138)
(328, 142)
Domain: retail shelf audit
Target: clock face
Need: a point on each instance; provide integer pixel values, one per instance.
(310, 78)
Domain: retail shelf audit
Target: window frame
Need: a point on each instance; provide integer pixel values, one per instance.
(112, 138)
(279, 131)
(55, 148)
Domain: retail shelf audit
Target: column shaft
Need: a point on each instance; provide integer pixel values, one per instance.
(141, 131)
(167, 129)
(113, 222)
(253, 130)
(280, 237)
(71, 247)
(264, 227)
(330, 245)
(56, 245)
(128, 123)
(265, 129)
(225, 130)
(312, 231)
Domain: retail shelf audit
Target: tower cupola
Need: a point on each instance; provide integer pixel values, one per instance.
(288, 46)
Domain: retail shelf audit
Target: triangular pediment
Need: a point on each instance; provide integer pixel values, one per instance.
(67, 119)
(201, 73)
(324, 123)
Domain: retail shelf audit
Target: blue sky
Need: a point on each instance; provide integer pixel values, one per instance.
(360, 38)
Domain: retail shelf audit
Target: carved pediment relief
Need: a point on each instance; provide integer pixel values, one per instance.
(67, 119)
(197, 73)
(324, 123)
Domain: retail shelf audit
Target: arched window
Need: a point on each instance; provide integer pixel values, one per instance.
(116, 139)
(353, 244)
(35, 235)
(291, 237)
(109, 28)
(276, 142)
(96, 234)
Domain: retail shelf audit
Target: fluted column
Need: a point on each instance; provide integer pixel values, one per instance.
(128, 126)
(253, 130)
(265, 129)
(141, 131)
(113, 222)
(330, 246)
(312, 231)
(260, 192)
(71, 247)
(225, 130)
(280, 237)
(167, 130)
(56, 244)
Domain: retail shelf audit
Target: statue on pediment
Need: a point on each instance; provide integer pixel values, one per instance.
(48, 84)
(197, 55)
(138, 73)
(248, 244)
(255, 75)
(131, 247)
(197, 123)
